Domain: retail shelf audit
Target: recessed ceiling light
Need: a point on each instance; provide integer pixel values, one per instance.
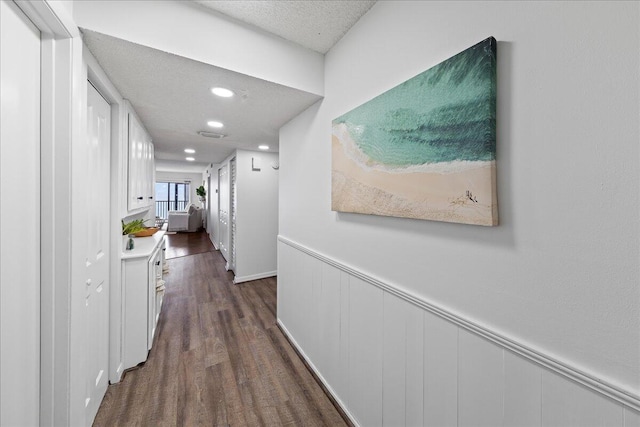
(223, 92)
(189, 150)
(263, 147)
(215, 124)
(190, 159)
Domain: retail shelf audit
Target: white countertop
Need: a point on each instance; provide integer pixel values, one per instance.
(143, 247)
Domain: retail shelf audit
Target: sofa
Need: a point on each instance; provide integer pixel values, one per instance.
(189, 219)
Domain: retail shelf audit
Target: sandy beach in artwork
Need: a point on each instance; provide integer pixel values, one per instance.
(453, 192)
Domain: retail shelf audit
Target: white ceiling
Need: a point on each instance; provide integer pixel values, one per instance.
(171, 94)
(316, 25)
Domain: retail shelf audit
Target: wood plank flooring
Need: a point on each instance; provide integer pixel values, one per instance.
(184, 244)
(218, 359)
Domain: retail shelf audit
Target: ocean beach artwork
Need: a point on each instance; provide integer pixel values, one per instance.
(426, 148)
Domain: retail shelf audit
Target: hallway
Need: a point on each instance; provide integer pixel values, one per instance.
(218, 359)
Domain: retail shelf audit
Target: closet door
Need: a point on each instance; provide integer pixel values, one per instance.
(223, 210)
(233, 204)
(96, 316)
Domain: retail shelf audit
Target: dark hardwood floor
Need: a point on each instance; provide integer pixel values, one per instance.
(218, 359)
(184, 244)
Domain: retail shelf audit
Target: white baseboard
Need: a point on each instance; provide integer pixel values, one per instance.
(213, 242)
(324, 382)
(241, 279)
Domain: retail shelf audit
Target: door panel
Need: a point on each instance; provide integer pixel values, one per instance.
(97, 284)
(223, 210)
(19, 218)
(138, 152)
(233, 204)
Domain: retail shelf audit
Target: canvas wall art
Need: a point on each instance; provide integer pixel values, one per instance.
(426, 148)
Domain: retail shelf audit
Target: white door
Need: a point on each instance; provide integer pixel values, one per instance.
(223, 210)
(19, 218)
(208, 206)
(97, 257)
(233, 207)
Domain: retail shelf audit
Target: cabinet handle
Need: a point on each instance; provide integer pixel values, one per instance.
(140, 198)
(151, 197)
(157, 262)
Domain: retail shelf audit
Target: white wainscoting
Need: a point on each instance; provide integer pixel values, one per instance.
(389, 358)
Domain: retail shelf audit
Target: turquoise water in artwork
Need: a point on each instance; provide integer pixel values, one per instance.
(445, 114)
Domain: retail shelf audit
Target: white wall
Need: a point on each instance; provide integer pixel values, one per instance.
(560, 274)
(67, 5)
(179, 166)
(257, 226)
(186, 29)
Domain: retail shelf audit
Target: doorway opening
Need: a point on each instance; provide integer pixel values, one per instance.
(171, 196)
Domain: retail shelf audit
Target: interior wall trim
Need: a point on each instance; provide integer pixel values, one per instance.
(242, 279)
(598, 385)
(331, 394)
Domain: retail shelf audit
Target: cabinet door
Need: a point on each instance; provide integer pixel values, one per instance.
(135, 276)
(141, 168)
(150, 176)
(144, 171)
(135, 194)
(159, 276)
(153, 310)
(151, 307)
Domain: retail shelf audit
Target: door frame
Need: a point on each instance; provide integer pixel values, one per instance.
(92, 272)
(60, 55)
(65, 68)
(118, 176)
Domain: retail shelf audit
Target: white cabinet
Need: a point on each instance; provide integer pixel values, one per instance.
(155, 293)
(143, 295)
(141, 167)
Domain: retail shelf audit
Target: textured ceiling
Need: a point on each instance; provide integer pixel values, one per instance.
(171, 95)
(316, 25)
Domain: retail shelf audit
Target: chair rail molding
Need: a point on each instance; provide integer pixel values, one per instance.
(565, 369)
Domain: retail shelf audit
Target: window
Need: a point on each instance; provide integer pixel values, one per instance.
(171, 196)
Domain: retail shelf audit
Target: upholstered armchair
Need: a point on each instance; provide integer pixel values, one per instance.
(188, 220)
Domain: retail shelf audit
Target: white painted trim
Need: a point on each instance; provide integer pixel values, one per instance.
(77, 359)
(213, 242)
(100, 80)
(57, 137)
(132, 111)
(50, 17)
(241, 279)
(340, 403)
(55, 279)
(601, 386)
